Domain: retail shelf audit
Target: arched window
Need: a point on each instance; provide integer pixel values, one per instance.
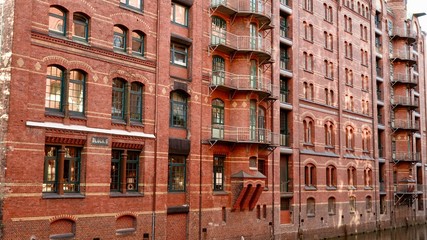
(138, 43)
(329, 135)
(80, 27)
(310, 178)
(366, 140)
(308, 131)
(352, 204)
(218, 70)
(311, 207)
(178, 111)
(76, 91)
(120, 38)
(57, 21)
(135, 96)
(332, 208)
(252, 119)
(219, 30)
(368, 178)
(349, 143)
(125, 224)
(54, 85)
(62, 229)
(118, 99)
(331, 177)
(254, 78)
(217, 118)
(261, 124)
(351, 177)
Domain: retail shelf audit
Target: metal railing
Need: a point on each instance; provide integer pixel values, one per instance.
(403, 78)
(245, 6)
(285, 32)
(406, 156)
(285, 64)
(402, 54)
(405, 101)
(244, 134)
(241, 43)
(402, 32)
(284, 96)
(241, 82)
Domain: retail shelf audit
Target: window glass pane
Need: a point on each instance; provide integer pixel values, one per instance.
(135, 3)
(71, 169)
(115, 170)
(137, 43)
(118, 99)
(80, 27)
(49, 183)
(132, 171)
(176, 173)
(180, 14)
(53, 88)
(135, 102)
(76, 91)
(119, 38)
(56, 20)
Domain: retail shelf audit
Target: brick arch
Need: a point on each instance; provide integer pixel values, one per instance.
(127, 213)
(64, 217)
(310, 160)
(86, 8)
(131, 21)
(118, 73)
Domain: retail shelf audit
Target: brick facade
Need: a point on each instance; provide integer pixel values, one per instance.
(229, 119)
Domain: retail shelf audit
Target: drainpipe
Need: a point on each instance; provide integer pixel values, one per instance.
(200, 151)
(156, 126)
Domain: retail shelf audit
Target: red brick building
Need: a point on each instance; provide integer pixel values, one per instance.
(221, 119)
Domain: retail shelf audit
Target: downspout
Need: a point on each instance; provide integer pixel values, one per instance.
(200, 148)
(156, 125)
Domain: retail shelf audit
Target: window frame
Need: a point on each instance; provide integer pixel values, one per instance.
(180, 106)
(218, 173)
(122, 91)
(126, 4)
(123, 162)
(85, 25)
(123, 36)
(56, 16)
(57, 158)
(61, 79)
(140, 40)
(171, 171)
(174, 11)
(174, 51)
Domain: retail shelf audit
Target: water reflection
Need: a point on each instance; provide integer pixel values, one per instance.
(418, 232)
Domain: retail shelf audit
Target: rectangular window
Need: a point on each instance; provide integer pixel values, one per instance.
(179, 54)
(124, 171)
(177, 175)
(61, 162)
(218, 173)
(134, 4)
(179, 14)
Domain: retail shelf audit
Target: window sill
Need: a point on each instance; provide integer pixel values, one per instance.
(80, 40)
(329, 78)
(310, 188)
(178, 65)
(310, 215)
(125, 231)
(308, 10)
(79, 116)
(58, 35)
(329, 49)
(52, 113)
(127, 194)
(331, 214)
(219, 193)
(329, 147)
(62, 236)
(118, 121)
(179, 24)
(308, 144)
(331, 188)
(368, 188)
(351, 188)
(64, 196)
(349, 58)
(308, 71)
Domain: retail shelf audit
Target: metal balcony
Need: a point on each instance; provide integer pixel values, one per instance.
(402, 124)
(403, 79)
(234, 134)
(409, 35)
(234, 82)
(230, 43)
(285, 35)
(402, 56)
(259, 9)
(405, 156)
(285, 67)
(403, 101)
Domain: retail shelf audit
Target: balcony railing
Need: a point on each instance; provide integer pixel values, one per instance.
(402, 55)
(245, 6)
(240, 43)
(380, 118)
(381, 151)
(285, 140)
(403, 78)
(285, 32)
(404, 101)
(379, 95)
(406, 156)
(244, 134)
(405, 124)
(402, 32)
(377, 23)
(241, 82)
(382, 187)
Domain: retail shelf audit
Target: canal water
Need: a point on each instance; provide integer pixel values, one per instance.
(418, 232)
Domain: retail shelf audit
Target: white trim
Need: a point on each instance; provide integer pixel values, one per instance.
(88, 129)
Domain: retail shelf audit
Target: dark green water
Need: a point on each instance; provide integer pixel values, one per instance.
(418, 232)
